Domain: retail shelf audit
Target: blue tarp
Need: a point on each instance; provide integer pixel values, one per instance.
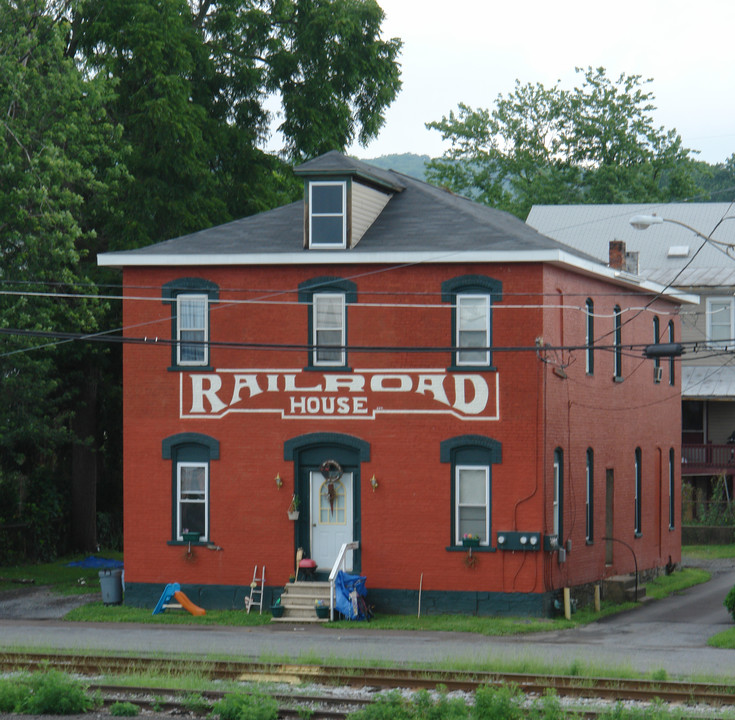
(96, 562)
(346, 590)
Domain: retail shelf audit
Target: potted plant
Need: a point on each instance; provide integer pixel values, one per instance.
(322, 609)
(292, 577)
(277, 609)
(470, 540)
(293, 508)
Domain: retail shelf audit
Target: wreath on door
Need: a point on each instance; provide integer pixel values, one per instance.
(331, 471)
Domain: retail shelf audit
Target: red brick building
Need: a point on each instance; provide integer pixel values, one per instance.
(463, 373)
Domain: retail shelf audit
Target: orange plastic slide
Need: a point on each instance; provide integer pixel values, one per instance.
(188, 604)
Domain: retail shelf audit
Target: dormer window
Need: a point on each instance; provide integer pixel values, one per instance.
(327, 214)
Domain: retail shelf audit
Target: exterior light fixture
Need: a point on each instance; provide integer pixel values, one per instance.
(279, 482)
(373, 483)
(642, 222)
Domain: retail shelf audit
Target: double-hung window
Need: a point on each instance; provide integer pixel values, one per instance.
(720, 322)
(191, 455)
(329, 329)
(472, 298)
(327, 214)
(192, 329)
(618, 340)
(471, 458)
(589, 339)
(191, 499)
(638, 493)
(328, 299)
(590, 505)
(557, 506)
(473, 330)
(672, 486)
(190, 300)
(472, 507)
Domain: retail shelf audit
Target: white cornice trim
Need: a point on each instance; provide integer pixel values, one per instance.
(346, 257)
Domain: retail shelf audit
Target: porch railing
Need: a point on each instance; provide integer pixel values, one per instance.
(707, 459)
(339, 564)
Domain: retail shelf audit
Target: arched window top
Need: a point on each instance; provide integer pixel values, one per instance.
(180, 286)
(471, 448)
(292, 447)
(206, 443)
(480, 284)
(327, 284)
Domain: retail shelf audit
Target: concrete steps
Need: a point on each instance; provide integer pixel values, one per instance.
(298, 601)
(622, 588)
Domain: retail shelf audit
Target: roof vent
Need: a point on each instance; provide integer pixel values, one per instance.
(679, 251)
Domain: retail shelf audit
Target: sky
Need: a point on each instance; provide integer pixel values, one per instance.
(471, 51)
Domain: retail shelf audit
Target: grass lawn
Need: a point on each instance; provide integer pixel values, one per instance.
(68, 580)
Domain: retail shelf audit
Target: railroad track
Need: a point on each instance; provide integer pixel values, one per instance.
(608, 689)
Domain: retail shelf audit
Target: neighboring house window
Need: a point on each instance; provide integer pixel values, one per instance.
(672, 367)
(720, 322)
(590, 506)
(328, 299)
(471, 458)
(191, 454)
(656, 340)
(327, 214)
(558, 498)
(672, 471)
(618, 370)
(638, 491)
(589, 339)
(472, 298)
(190, 299)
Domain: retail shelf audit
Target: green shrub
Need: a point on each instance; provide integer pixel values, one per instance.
(389, 706)
(124, 709)
(54, 693)
(503, 703)
(240, 706)
(196, 704)
(12, 694)
(729, 602)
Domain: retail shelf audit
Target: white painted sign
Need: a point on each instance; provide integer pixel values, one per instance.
(362, 394)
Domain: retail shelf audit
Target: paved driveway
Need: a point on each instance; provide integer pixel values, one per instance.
(669, 634)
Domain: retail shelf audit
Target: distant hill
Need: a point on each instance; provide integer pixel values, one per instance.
(406, 163)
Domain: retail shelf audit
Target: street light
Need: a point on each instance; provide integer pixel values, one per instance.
(643, 222)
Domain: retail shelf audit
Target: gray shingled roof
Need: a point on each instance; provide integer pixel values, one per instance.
(590, 228)
(419, 217)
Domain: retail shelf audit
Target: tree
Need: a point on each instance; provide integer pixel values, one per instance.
(194, 83)
(61, 168)
(596, 143)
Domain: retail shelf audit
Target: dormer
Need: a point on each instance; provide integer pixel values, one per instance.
(342, 199)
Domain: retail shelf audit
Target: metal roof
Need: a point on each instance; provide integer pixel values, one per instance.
(707, 382)
(666, 252)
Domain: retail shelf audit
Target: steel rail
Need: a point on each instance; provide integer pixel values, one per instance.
(293, 673)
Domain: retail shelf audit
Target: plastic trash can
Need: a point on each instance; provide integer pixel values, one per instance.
(111, 584)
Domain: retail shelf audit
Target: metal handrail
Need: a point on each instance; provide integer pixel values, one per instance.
(339, 564)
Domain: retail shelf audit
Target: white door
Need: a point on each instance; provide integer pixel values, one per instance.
(331, 519)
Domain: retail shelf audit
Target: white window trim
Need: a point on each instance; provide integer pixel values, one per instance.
(709, 313)
(343, 215)
(458, 471)
(315, 330)
(205, 360)
(458, 315)
(179, 501)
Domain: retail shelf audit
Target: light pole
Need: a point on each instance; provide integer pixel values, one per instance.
(643, 222)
